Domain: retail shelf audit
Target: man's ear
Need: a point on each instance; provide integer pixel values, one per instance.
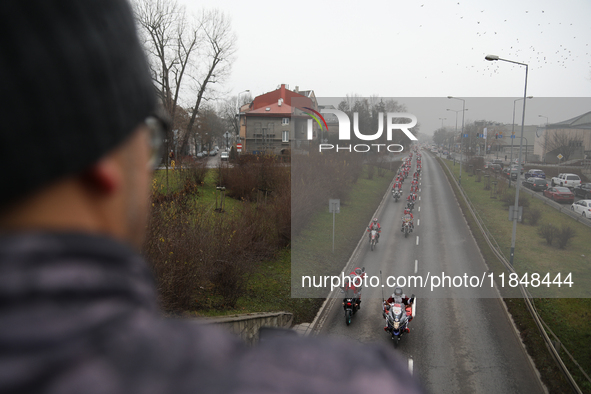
(105, 176)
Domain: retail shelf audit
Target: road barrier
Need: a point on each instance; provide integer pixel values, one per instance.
(496, 249)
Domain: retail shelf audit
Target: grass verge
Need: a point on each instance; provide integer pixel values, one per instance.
(269, 287)
(570, 319)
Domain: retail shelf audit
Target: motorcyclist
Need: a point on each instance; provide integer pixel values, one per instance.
(408, 216)
(414, 189)
(374, 225)
(397, 186)
(398, 297)
(411, 197)
(349, 285)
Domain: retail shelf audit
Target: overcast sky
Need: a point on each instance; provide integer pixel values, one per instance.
(424, 48)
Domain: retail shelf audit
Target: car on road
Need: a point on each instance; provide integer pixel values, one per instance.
(535, 184)
(583, 190)
(568, 180)
(582, 207)
(487, 165)
(560, 194)
(499, 162)
(506, 171)
(224, 156)
(213, 152)
(496, 167)
(535, 174)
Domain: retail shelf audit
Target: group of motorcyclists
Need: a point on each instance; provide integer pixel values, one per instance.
(353, 287)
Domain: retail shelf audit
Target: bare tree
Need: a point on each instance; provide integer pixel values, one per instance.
(186, 56)
(170, 40)
(228, 111)
(215, 59)
(565, 142)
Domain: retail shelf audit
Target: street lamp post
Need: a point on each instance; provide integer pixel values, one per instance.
(513, 133)
(516, 206)
(462, 136)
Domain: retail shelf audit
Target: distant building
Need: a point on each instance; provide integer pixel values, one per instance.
(267, 124)
(570, 138)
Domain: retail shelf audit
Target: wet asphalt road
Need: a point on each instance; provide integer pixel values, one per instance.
(461, 340)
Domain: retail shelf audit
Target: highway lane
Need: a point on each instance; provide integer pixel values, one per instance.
(459, 343)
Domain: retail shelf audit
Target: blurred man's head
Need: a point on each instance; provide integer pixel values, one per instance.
(74, 143)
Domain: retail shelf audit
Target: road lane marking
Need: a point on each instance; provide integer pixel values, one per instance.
(410, 365)
(416, 266)
(417, 239)
(419, 209)
(419, 198)
(418, 222)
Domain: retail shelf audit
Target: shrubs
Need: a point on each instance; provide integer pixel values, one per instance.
(563, 235)
(548, 232)
(532, 215)
(509, 199)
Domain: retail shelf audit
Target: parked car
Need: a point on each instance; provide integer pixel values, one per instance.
(487, 165)
(535, 184)
(199, 155)
(560, 194)
(224, 156)
(583, 190)
(496, 167)
(536, 174)
(499, 162)
(213, 152)
(515, 166)
(583, 207)
(506, 172)
(568, 180)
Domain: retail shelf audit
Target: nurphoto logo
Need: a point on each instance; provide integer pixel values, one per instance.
(392, 123)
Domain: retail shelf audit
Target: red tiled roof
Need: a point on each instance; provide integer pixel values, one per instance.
(275, 110)
(270, 98)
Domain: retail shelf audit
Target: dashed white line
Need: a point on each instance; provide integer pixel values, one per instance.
(417, 239)
(419, 198)
(416, 266)
(419, 209)
(410, 366)
(418, 222)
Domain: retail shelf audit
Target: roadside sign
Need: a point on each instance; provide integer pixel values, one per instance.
(512, 215)
(239, 147)
(560, 156)
(334, 205)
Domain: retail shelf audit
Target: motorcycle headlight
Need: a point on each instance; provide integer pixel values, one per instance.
(396, 325)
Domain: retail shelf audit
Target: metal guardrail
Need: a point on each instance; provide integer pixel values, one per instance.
(526, 296)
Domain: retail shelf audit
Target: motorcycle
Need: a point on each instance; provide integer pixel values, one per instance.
(397, 318)
(406, 228)
(396, 194)
(373, 238)
(350, 303)
(410, 205)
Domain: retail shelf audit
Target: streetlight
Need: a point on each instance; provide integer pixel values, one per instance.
(516, 206)
(513, 133)
(238, 100)
(456, 111)
(462, 136)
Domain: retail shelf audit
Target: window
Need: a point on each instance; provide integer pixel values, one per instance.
(285, 136)
(285, 121)
(573, 178)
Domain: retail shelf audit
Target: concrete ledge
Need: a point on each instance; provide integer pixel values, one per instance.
(247, 325)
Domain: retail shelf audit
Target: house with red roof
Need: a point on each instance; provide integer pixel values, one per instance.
(269, 124)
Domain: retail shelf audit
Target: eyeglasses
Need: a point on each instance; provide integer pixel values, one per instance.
(157, 125)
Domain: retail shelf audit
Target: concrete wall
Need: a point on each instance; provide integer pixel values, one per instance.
(247, 326)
